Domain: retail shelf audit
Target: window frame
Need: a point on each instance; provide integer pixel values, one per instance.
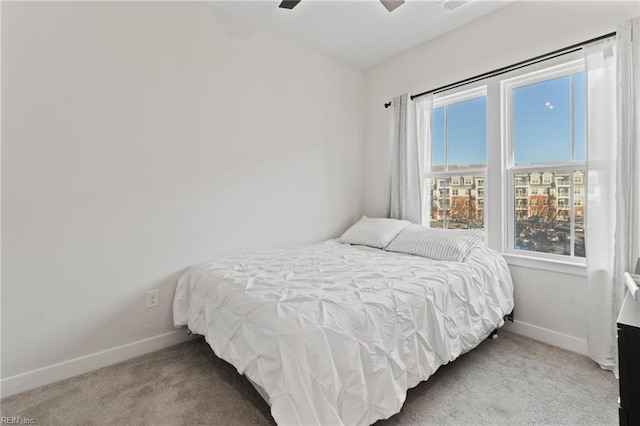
(445, 99)
(510, 169)
(495, 202)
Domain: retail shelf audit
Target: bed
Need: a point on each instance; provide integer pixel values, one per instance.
(334, 333)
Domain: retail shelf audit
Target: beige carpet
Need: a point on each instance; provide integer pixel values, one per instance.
(510, 381)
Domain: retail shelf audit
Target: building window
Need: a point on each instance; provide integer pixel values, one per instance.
(545, 128)
(458, 158)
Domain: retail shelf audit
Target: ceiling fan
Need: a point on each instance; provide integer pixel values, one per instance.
(389, 4)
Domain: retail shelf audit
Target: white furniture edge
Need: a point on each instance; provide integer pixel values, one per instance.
(554, 338)
(63, 370)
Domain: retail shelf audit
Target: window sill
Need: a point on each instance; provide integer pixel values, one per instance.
(564, 267)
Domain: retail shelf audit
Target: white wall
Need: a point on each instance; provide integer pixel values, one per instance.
(140, 138)
(550, 305)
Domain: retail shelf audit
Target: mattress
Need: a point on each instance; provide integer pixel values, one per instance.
(336, 334)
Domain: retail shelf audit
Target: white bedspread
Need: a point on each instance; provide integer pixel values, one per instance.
(336, 334)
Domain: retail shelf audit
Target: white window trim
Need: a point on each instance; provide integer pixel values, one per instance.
(555, 263)
(448, 98)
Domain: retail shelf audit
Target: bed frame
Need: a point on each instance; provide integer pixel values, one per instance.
(263, 394)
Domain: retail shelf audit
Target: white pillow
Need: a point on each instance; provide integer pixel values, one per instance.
(373, 232)
(438, 244)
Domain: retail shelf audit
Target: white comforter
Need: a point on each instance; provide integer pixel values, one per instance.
(336, 334)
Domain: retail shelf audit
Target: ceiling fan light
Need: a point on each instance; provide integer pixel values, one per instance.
(449, 5)
(391, 5)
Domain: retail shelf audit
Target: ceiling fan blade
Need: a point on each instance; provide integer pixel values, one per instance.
(391, 5)
(289, 4)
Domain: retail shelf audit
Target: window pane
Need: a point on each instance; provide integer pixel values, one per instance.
(580, 116)
(439, 201)
(578, 213)
(541, 120)
(458, 202)
(467, 134)
(437, 140)
(542, 212)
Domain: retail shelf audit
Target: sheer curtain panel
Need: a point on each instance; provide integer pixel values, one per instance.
(424, 107)
(600, 63)
(628, 176)
(406, 180)
(612, 222)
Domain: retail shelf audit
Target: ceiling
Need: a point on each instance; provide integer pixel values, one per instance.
(359, 32)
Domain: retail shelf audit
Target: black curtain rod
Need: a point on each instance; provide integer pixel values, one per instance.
(512, 67)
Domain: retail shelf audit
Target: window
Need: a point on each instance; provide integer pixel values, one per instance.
(537, 115)
(545, 127)
(458, 159)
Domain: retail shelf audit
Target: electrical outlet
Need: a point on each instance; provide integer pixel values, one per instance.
(153, 298)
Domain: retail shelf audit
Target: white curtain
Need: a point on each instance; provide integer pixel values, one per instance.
(600, 63)
(628, 176)
(612, 224)
(424, 108)
(406, 165)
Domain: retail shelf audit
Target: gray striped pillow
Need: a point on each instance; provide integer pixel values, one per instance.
(373, 232)
(438, 244)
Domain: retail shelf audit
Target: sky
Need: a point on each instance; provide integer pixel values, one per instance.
(541, 125)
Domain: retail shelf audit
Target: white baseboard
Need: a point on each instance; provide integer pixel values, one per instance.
(564, 341)
(73, 367)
